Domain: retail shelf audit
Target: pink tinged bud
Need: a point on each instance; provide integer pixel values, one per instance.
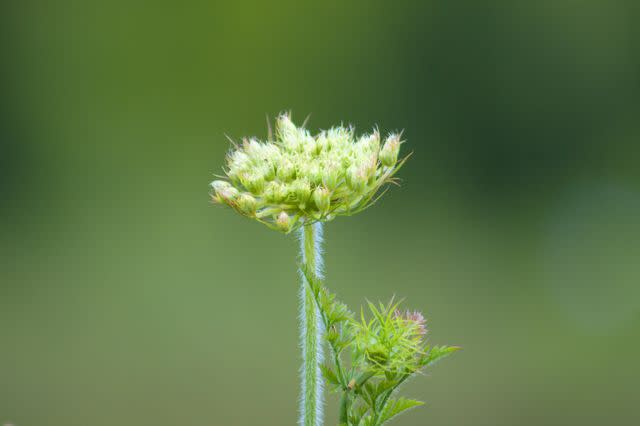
(224, 192)
(229, 194)
(415, 318)
(283, 222)
(390, 150)
(356, 178)
(371, 167)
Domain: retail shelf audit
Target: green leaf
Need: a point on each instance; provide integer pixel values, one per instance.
(368, 421)
(359, 413)
(329, 374)
(397, 406)
(438, 352)
(368, 392)
(332, 335)
(384, 385)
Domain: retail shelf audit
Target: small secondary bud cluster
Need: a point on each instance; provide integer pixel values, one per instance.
(300, 178)
(393, 341)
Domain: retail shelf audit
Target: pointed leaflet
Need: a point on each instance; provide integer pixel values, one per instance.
(438, 352)
(329, 374)
(397, 406)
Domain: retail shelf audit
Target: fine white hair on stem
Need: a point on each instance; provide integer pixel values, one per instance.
(311, 330)
(318, 251)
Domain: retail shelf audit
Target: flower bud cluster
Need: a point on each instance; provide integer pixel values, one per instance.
(299, 177)
(392, 341)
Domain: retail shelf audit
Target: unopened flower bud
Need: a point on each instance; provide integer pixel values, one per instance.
(322, 143)
(283, 222)
(288, 133)
(286, 170)
(322, 198)
(390, 150)
(224, 192)
(302, 190)
(274, 192)
(237, 163)
(247, 204)
(267, 171)
(228, 195)
(254, 182)
(331, 177)
(252, 147)
(219, 185)
(284, 126)
(311, 146)
(315, 174)
(269, 153)
(370, 167)
(370, 143)
(356, 178)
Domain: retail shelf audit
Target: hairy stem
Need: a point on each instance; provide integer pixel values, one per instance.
(311, 329)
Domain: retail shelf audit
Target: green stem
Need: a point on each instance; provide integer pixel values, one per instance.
(311, 330)
(345, 402)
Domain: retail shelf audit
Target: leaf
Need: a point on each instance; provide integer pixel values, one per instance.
(385, 385)
(368, 421)
(329, 374)
(368, 392)
(334, 311)
(360, 411)
(339, 313)
(438, 352)
(396, 406)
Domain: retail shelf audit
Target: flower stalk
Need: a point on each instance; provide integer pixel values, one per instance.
(311, 329)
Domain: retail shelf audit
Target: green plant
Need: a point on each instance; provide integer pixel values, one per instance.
(296, 181)
(372, 358)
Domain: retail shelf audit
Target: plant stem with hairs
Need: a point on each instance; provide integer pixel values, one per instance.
(311, 328)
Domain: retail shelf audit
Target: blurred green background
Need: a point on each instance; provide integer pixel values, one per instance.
(127, 298)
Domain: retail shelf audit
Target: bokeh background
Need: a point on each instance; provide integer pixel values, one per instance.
(126, 298)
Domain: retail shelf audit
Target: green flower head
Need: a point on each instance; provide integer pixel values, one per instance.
(300, 178)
